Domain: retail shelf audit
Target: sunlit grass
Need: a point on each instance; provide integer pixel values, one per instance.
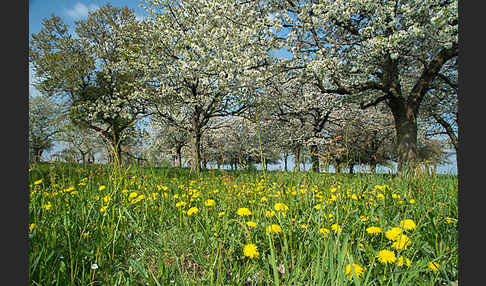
(140, 226)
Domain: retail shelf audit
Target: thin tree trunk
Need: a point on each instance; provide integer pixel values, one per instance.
(314, 158)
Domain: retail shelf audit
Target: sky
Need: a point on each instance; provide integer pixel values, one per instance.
(73, 10)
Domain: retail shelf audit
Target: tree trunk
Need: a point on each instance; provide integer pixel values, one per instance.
(405, 117)
(297, 159)
(314, 158)
(285, 161)
(196, 144)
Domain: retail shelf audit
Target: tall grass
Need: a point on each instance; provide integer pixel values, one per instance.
(143, 238)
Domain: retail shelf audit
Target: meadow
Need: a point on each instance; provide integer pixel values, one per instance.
(100, 225)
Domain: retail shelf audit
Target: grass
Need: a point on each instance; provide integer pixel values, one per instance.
(136, 235)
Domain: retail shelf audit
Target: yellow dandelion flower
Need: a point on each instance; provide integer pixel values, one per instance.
(221, 214)
(273, 228)
(31, 226)
(402, 242)
(132, 195)
(380, 196)
(403, 261)
(408, 224)
(270, 213)
(209, 203)
(47, 206)
(263, 199)
(280, 207)
(349, 269)
(393, 233)
(192, 211)
(250, 250)
(85, 235)
(101, 188)
(412, 201)
(243, 212)
(386, 256)
(324, 231)
(434, 266)
(304, 226)
(251, 224)
(103, 209)
(336, 228)
(38, 182)
(317, 207)
(180, 204)
(374, 230)
(364, 218)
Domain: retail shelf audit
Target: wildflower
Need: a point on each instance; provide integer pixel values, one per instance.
(270, 213)
(101, 188)
(317, 207)
(251, 223)
(243, 212)
(434, 266)
(349, 269)
(273, 228)
(31, 226)
(336, 228)
(412, 201)
(374, 230)
(106, 198)
(209, 203)
(280, 207)
(94, 266)
(449, 220)
(325, 231)
(386, 256)
(103, 209)
(380, 196)
(401, 261)
(132, 195)
(402, 242)
(85, 235)
(180, 204)
(220, 213)
(364, 218)
(393, 233)
(192, 211)
(408, 224)
(250, 250)
(47, 206)
(38, 182)
(304, 226)
(263, 199)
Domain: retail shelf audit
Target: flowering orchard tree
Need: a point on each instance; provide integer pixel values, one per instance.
(294, 96)
(45, 122)
(378, 51)
(82, 71)
(200, 60)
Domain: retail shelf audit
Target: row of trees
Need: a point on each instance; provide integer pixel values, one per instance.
(364, 82)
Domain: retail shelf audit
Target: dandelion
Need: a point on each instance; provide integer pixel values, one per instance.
(220, 214)
(393, 233)
(209, 203)
(349, 269)
(103, 209)
(380, 196)
(47, 206)
(280, 207)
(38, 182)
(243, 212)
(251, 224)
(402, 242)
(273, 228)
(250, 250)
(434, 266)
(180, 204)
(324, 231)
(374, 230)
(31, 226)
(317, 207)
(364, 218)
(408, 224)
(412, 201)
(403, 261)
(101, 188)
(386, 256)
(85, 235)
(192, 211)
(132, 195)
(336, 228)
(304, 226)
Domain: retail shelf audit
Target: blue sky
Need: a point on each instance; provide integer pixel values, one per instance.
(73, 10)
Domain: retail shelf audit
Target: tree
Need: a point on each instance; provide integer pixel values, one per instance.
(199, 60)
(81, 71)
(377, 51)
(45, 121)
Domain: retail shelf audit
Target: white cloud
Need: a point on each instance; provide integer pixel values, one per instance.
(80, 10)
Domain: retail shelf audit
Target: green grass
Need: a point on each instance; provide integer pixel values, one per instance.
(153, 242)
